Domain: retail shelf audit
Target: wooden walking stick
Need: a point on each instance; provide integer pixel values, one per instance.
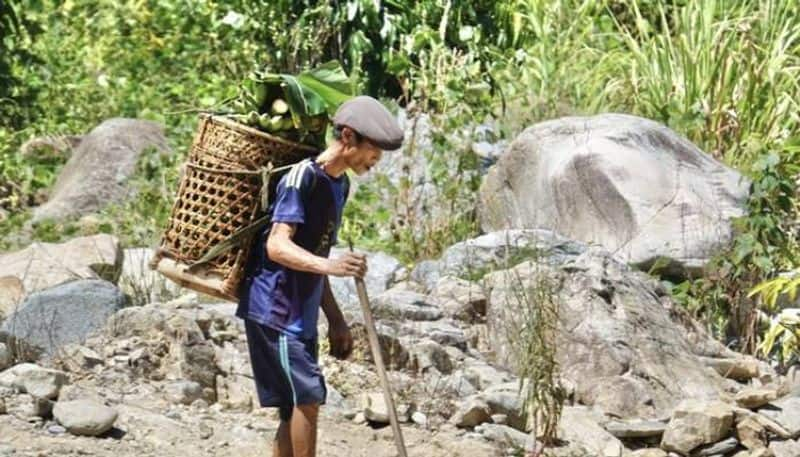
(374, 345)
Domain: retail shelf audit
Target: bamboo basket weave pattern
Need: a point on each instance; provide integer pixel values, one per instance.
(219, 194)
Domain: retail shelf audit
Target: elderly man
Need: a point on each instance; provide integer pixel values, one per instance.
(286, 281)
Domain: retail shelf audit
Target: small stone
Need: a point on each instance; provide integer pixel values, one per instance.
(474, 411)
(199, 404)
(753, 398)
(750, 433)
(56, 429)
(695, 423)
(205, 431)
(419, 419)
(359, 418)
(501, 419)
(719, 448)
(85, 417)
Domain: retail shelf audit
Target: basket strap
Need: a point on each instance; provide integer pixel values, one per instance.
(229, 243)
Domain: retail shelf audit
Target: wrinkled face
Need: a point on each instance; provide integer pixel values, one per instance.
(360, 156)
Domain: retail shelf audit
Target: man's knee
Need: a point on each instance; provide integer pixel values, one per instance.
(309, 410)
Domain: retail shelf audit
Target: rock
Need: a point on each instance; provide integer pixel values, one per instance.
(629, 184)
(427, 274)
(419, 419)
(44, 265)
(753, 398)
(429, 354)
(12, 291)
(615, 340)
(472, 412)
(183, 392)
(578, 425)
(375, 409)
(720, 448)
(28, 406)
(84, 417)
(382, 271)
(505, 435)
(459, 299)
(394, 354)
(82, 186)
(56, 429)
(141, 283)
(68, 313)
(237, 392)
(787, 448)
(786, 413)
(507, 399)
(635, 429)
(740, 369)
(33, 379)
(404, 305)
(5, 357)
(695, 423)
(78, 358)
(750, 433)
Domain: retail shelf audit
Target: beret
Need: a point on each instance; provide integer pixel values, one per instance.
(370, 119)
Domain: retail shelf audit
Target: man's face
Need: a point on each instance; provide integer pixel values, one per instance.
(362, 155)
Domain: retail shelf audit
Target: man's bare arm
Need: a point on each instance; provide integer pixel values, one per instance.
(329, 304)
(282, 249)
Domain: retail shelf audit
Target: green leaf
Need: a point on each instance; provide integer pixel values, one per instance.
(330, 83)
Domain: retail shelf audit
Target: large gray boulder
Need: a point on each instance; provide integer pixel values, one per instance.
(616, 339)
(97, 171)
(64, 314)
(629, 184)
(44, 265)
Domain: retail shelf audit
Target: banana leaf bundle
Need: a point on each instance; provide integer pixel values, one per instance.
(295, 107)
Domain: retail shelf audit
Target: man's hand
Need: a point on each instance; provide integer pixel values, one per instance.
(341, 340)
(349, 264)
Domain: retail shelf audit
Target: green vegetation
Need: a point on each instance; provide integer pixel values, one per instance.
(724, 74)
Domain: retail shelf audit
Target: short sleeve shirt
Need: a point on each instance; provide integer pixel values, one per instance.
(277, 296)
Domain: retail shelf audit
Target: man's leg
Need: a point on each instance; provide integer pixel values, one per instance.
(304, 430)
(282, 446)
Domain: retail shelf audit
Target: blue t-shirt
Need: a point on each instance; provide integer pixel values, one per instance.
(275, 295)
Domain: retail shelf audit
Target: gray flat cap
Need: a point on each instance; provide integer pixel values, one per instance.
(372, 120)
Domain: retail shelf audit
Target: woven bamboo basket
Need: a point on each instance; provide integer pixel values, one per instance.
(219, 194)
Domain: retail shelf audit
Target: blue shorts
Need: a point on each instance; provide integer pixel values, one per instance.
(285, 368)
